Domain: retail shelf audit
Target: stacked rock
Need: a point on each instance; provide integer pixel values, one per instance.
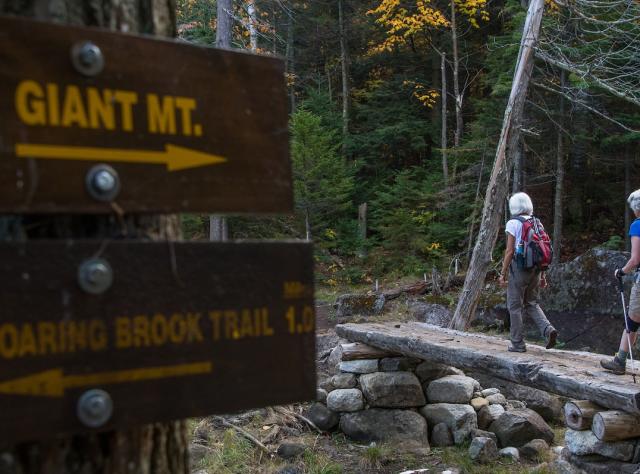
(601, 440)
(395, 398)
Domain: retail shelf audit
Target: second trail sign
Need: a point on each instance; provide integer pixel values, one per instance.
(95, 121)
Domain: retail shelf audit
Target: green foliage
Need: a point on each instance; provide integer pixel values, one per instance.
(323, 180)
(615, 242)
(196, 20)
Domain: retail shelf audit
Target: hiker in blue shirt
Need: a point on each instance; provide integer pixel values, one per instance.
(618, 364)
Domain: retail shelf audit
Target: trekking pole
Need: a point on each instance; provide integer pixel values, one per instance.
(626, 326)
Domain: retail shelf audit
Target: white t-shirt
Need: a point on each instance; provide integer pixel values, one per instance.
(514, 227)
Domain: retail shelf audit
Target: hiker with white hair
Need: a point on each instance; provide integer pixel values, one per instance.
(526, 257)
(618, 364)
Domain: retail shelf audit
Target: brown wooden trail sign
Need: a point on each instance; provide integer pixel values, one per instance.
(177, 127)
(116, 333)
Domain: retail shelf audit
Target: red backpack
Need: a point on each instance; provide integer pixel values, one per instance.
(536, 250)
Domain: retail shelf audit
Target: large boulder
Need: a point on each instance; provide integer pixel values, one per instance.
(431, 313)
(451, 389)
(585, 442)
(517, 427)
(322, 417)
(357, 304)
(460, 419)
(392, 389)
(345, 399)
(377, 424)
(585, 283)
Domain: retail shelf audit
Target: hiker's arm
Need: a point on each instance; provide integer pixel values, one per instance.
(634, 261)
(508, 256)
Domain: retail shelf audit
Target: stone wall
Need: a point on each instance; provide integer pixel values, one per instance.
(420, 404)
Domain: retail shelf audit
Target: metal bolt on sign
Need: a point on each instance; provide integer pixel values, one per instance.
(95, 408)
(95, 276)
(103, 183)
(87, 58)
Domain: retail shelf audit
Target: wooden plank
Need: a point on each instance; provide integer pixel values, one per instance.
(572, 374)
(186, 329)
(162, 116)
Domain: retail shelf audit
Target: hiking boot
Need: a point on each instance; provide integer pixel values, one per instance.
(513, 348)
(614, 365)
(551, 339)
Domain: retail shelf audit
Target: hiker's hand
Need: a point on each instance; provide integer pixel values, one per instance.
(503, 281)
(618, 273)
(543, 281)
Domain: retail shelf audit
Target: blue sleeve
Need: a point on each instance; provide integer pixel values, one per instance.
(634, 230)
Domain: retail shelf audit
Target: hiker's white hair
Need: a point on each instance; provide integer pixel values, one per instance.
(634, 200)
(520, 203)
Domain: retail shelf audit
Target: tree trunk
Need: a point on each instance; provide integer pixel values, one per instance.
(474, 213)
(456, 78)
(362, 226)
(224, 23)
(497, 188)
(253, 25)
(157, 448)
(290, 63)
(344, 59)
(558, 215)
(218, 224)
(443, 129)
(516, 184)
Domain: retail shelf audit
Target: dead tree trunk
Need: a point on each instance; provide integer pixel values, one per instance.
(443, 129)
(456, 78)
(558, 215)
(344, 59)
(498, 185)
(218, 224)
(158, 448)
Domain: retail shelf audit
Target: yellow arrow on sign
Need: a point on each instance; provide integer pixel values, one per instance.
(53, 383)
(174, 157)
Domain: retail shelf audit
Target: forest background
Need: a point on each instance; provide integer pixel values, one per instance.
(396, 110)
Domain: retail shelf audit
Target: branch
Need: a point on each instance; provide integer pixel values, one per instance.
(244, 433)
(575, 70)
(589, 108)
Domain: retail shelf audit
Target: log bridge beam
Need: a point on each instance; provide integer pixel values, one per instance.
(572, 374)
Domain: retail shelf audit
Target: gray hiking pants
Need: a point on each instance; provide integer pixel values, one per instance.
(522, 298)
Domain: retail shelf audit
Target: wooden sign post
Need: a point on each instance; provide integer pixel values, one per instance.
(99, 335)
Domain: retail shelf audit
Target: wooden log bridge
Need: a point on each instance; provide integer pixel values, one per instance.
(572, 374)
